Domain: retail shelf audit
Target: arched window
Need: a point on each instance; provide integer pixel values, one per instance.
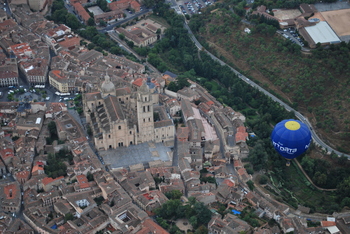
(119, 127)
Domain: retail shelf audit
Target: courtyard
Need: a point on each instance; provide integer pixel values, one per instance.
(134, 154)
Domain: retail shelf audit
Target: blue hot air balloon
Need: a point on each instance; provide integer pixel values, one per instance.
(291, 138)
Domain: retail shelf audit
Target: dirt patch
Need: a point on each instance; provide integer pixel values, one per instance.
(339, 21)
(286, 14)
(183, 225)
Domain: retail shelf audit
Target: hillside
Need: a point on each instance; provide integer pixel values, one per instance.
(315, 83)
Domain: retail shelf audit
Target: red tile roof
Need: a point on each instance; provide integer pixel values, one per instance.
(22, 175)
(37, 168)
(242, 171)
(327, 223)
(48, 180)
(240, 136)
(81, 11)
(149, 226)
(209, 103)
(83, 181)
(70, 43)
(237, 163)
(10, 191)
(5, 153)
(135, 5)
(138, 82)
(229, 182)
(241, 129)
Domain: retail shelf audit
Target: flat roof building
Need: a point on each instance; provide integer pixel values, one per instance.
(322, 33)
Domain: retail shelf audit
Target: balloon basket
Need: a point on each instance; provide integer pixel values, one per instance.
(288, 163)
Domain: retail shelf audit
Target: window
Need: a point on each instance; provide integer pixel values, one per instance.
(109, 136)
(144, 120)
(145, 99)
(119, 127)
(149, 119)
(130, 132)
(144, 109)
(130, 142)
(148, 108)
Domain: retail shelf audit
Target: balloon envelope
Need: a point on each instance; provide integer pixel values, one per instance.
(291, 138)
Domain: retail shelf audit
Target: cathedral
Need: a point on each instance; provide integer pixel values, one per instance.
(120, 117)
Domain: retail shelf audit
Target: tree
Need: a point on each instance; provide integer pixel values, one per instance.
(103, 23)
(73, 22)
(90, 176)
(102, 4)
(68, 216)
(91, 46)
(52, 128)
(193, 221)
(91, 22)
(121, 36)
(201, 230)
(263, 179)
(174, 194)
(130, 44)
(250, 185)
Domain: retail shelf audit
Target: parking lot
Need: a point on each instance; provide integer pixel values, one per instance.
(292, 35)
(26, 94)
(193, 6)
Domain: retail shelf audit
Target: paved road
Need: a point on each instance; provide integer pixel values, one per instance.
(315, 137)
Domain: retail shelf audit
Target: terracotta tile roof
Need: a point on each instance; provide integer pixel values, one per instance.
(135, 5)
(119, 4)
(241, 129)
(209, 103)
(138, 82)
(20, 49)
(148, 226)
(240, 136)
(22, 175)
(83, 181)
(242, 171)
(237, 163)
(10, 191)
(48, 180)
(37, 168)
(5, 153)
(81, 11)
(327, 223)
(229, 182)
(70, 42)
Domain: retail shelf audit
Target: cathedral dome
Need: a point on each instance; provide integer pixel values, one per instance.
(107, 86)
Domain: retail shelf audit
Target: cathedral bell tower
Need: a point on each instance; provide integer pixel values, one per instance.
(144, 109)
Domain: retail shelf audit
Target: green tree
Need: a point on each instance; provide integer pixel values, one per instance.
(52, 129)
(250, 185)
(68, 216)
(103, 23)
(91, 22)
(174, 194)
(73, 22)
(90, 176)
(121, 36)
(263, 179)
